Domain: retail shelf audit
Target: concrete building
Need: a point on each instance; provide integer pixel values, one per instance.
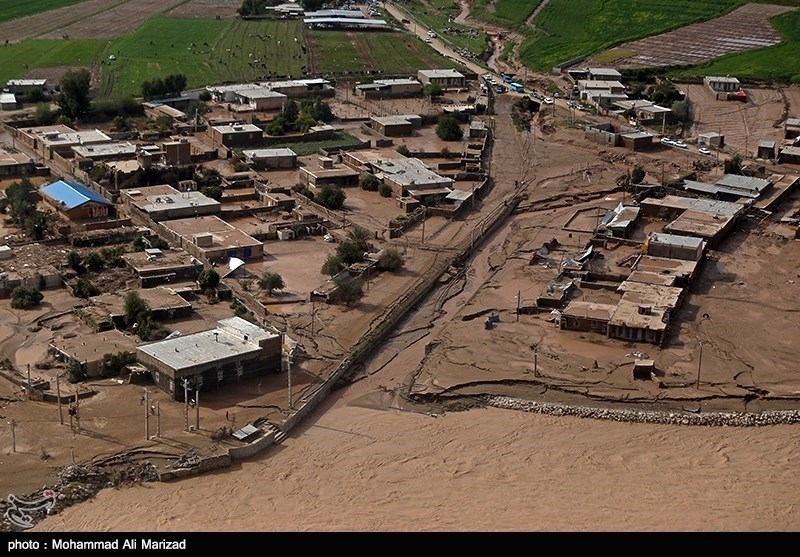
(263, 99)
(264, 159)
(163, 202)
(177, 153)
(105, 151)
(446, 79)
(326, 173)
(392, 126)
(164, 304)
(16, 164)
(791, 128)
(389, 88)
(765, 149)
(155, 267)
(711, 139)
(664, 271)
(234, 350)
(76, 201)
(209, 238)
(236, 135)
(90, 349)
(47, 140)
(25, 86)
(789, 155)
(673, 246)
(637, 141)
(710, 219)
(8, 101)
(725, 84)
(586, 316)
(411, 177)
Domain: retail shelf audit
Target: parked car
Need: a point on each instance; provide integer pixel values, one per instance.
(704, 151)
(432, 34)
(548, 100)
(680, 144)
(667, 141)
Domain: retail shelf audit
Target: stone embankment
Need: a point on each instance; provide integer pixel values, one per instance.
(731, 419)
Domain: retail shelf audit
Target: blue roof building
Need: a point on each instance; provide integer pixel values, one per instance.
(75, 200)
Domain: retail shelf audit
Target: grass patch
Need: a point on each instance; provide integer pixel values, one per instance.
(511, 13)
(303, 148)
(440, 20)
(608, 56)
(566, 29)
(12, 10)
(19, 58)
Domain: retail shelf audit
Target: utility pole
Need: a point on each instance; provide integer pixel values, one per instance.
(147, 414)
(58, 394)
(424, 214)
(78, 411)
(13, 424)
(289, 376)
(312, 315)
(699, 362)
(519, 299)
(197, 407)
(185, 404)
(30, 387)
(158, 420)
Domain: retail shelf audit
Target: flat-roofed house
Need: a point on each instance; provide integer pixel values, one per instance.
(236, 135)
(719, 84)
(586, 316)
(445, 79)
(392, 126)
(232, 351)
(674, 246)
(411, 177)
(263, 159)
(390, 88)
(211, 239)
(163, 202)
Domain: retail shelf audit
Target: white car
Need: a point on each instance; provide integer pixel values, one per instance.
(704, 151)
(680, 144)
(432, 34)
(667, 141)
(548, 100)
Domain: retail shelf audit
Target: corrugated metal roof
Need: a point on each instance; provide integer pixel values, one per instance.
(70, 194)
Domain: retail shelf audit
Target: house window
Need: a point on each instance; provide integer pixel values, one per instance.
(593, 324)
(171, 385)
(576, 323)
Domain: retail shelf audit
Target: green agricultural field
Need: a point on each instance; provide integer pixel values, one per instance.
(12, 10)
(566, 29)
(466, 37)
(775, 63)
(511, 13)
(303, 148)
(17, 59)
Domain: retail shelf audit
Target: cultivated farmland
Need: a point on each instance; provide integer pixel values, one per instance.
(745, 28)
(566, 29)
(15, 10)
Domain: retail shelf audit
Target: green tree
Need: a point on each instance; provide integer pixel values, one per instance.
(271, 281)
(136, 309)
(385, 190)
(214, 192)
(369, 182)
(112, 364)
(43, 115)
(331, 196)
(360, 236)
(37, 225)
(333, 265)
(390, 259)
(290, 112)
(75, 262)
(348, 292)
(448, 128)
(734, 164)
(350, 252)
(682, 110)
(637, 175)
(21, 198)
(76, 371)
(432, 90)
(85, 289)
(305, 122)
(95, 262)
(26, 297)
(208, 278)
(73, 98)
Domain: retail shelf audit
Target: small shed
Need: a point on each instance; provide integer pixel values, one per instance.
(644, 369)
(766, 150)
(246, 433)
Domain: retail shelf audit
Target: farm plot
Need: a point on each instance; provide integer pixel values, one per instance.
(206, 8)
(263, 49)
(113, 22)
(742, 124)
(46, 59)
(566, 29)
(160, 47)
(743, 29)
(16, 10)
